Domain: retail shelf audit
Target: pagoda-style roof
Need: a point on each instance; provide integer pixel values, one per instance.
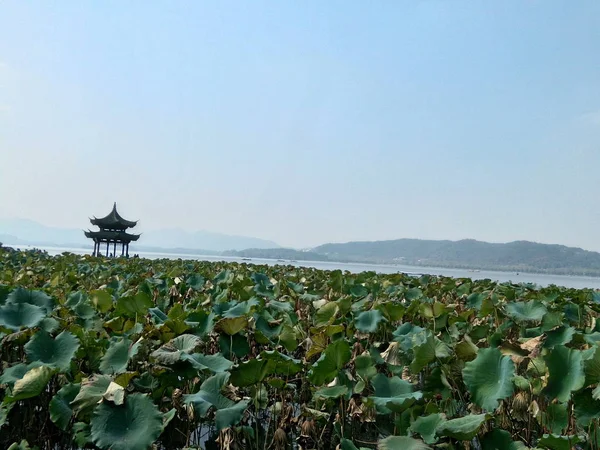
(113, 236)
(113, 221)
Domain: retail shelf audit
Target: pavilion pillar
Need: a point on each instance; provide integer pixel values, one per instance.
(115, 249)
(107, 247)
(127, 250)
(122, 248)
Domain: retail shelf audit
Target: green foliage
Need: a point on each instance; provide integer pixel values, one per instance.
(56, 352)
(489, 378)
(130, 353)
(132, 426)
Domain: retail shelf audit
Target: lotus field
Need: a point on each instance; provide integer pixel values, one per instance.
(133, 354)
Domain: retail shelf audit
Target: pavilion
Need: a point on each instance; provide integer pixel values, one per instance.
(112, 231)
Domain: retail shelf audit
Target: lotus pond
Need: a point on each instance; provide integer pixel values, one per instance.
(132, 354)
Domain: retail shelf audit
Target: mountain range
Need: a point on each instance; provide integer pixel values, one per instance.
(516, 256)
(29, 232)
(522, 256)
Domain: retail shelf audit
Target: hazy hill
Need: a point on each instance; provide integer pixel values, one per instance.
(469, 253)
(23, 232)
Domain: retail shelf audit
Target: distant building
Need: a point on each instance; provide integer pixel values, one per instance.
(112, 231)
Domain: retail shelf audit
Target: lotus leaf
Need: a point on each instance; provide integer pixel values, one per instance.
(117, 356)
(60, 407)
(132, 426)
(565, 367)
(55, 352)
(463, 428)
(401, 443)
(392, 394)
(532, 311)
(209, 396)
(489, 378)
(368, 321)
(333, 359)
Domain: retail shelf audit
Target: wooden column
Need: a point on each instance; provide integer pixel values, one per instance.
(122, 248)
(115, 249)
(107, 247)
(127, 250)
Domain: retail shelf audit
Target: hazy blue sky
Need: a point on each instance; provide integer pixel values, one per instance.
(306, 121)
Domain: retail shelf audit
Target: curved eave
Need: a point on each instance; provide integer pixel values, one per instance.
(112, 236)
(113, 220)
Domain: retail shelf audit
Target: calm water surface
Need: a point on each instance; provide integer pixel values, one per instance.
(539, 279)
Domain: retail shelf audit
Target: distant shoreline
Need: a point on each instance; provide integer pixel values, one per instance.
(542, 279)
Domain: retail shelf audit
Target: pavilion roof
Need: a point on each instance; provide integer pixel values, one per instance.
(113, 221)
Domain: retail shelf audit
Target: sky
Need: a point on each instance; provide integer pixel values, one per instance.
(306, 122)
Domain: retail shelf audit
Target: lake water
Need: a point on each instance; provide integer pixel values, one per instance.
(539, 279)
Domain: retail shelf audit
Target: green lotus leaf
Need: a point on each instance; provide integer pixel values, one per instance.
(82, 434)
(592, 367)
(101, 300)
(226, 417)
(280, 306)
(283, 364)
(57, 352)
(266, 329)
(90, 394)
(117, 357)
(135, 306)
(171, 352)
(464, 428)
(4, 291)
(4, 410)
(287, 338)
(168, 417)
(158, 316)
(132, 426)
(413, 294)
(532, 311)
(465, 349)
(498, 439)
(20, 315)
(233, 325)
(401, 443)
(358, 291)
(195, 281)
(60, 407)
(489, 378)
(365, 367)
(368, 321)
(565, 367)
(326, 314)
(36, 298)
(215, 363)
(31, 385)
(426, 349)
(332, 360)
(209, 396)
(560, 336)
(392, 394)
(426, 426)
(555, 417)
(16, 372)
(331, 392)
(347, 444)
(586, 407)
(555, 442)
(23, 445)
(240, 309)
(251, 372)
